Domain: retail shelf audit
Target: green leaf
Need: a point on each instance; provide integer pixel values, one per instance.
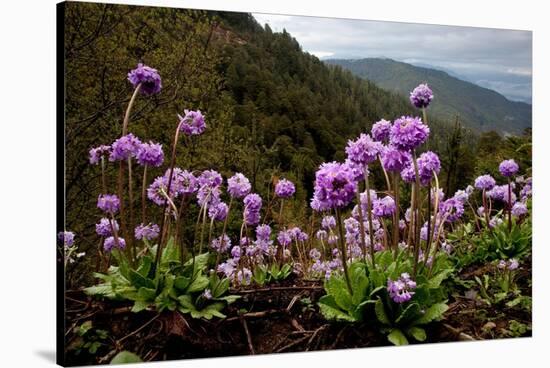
(139, 305)
(337, 288)
(418, 333)
(126, 357)
(409, 313)
(435, 312)
(101, 290)
(170, 253)
(381, 313)
(181, 282)
(228, 298)
(198, 284)
(435, 281)
(145, 266)
(138, 280)
(396, 337)
(331, 311)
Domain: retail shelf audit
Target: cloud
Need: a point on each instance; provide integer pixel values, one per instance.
(493, 55)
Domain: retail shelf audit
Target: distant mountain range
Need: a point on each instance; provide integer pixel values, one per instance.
(477, 107)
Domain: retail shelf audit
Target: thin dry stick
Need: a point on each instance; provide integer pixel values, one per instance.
(248, 337)
(139, 329)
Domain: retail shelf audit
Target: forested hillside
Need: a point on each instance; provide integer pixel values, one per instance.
(480, 108)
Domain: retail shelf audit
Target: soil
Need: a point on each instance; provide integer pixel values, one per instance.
(278, 318)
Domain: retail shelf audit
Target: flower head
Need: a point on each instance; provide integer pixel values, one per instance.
(519, 209)
(221, 244)
(67, 237)
(484, 182)
(148, 77)
(125, 147)
(328, 222)
(381, 130)
(284, 188)
(452, 208)
(334, 185)
(218, 212)
(108, 203)
(363, 150)
(263, 232)
(383, 207)
(408, 133)
(103, 227)
(111, 243)
(238, 186)
(98, 152)
(508, 168)
(252, 207)
(428, 163)
(400, 290)
(210, 178)
(192, 123)
(284, 238)
(150, 154)
(421, 96)
(149, 232)
(183, 182)
(395, 159)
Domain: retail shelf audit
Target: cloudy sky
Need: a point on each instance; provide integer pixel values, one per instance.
(493, 58)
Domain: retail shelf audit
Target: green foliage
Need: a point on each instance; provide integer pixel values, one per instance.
(370, 301)
(125, 357)
(264, 274)
(173, 286)
(502, 242)
(89, 339)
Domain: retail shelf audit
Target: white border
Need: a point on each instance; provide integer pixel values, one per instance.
(27, 151)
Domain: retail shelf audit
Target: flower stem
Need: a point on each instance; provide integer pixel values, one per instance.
(131, 208)
(396, 214)
(143, 197)
(509, 205)
(369, 217)
(343, 251)
(362, 227)
(416, 213)
(129, 109)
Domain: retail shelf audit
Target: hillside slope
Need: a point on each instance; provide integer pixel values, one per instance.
(478, 107)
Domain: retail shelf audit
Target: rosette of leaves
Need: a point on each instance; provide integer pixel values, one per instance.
(370, 301)
(506, 243)
(263, 274)
(171, 286)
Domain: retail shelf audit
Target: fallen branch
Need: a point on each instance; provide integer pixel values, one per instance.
(248, 337)
(139, 329)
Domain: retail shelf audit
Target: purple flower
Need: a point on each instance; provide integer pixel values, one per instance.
(462, 196)
(221, 244)
(519, 209)
(321, 234)
(252, 207)
(67, 237)
(358, 170)
(408, 133)
(314, 254)
(111, 243)
(125, 147)
(157, 190)
(108, 203)
(495, 221)
(408, 174)
(284, 238)
(148, 77)
(328, 222)
(244, 276)
(227, 268)
(428, 163)
(364, 150)
(149, 232)
(192, 123)
(218, 212)
(421, 96)
(395, 159)
(208, 197)
(150, 154)
(263, 232)
(484, 182)
(210, 178)
(238, 186)
(513, 264)
(183, 182)
(334, 185)
(526, 192)
(452, 208)
(236, 252)
(508, 168)
(284, 188)
(400, 290)
(98, 152)
(103, 227)
(500, 193)
(207, 294)
(381, 130)
(383, 207)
